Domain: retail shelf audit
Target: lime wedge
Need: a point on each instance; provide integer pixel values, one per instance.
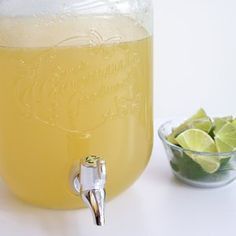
(234, 122)
(209, 164)
(198, 115)
(222, 147)
(199, 120)
(220, 122)
(196, 140)
(227, 134)
(199, 141)
(204, 124)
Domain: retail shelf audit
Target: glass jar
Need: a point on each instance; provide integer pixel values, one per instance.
(75, 81)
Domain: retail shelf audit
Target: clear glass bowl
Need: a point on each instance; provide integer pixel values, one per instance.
(188, 171)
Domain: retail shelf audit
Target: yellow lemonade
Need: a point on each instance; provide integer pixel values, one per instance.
(69, 89)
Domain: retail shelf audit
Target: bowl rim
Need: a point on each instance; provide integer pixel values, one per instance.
(165, 141)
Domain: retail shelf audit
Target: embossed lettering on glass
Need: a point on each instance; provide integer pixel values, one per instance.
(75, 99)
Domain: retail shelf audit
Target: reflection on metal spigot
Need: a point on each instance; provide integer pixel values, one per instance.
(95, 201)
(90, 183)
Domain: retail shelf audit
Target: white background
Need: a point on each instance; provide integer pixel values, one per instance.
(195, 58)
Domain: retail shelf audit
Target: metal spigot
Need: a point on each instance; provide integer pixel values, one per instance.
(90, 184)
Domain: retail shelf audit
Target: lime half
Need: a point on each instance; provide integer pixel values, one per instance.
(199, 141)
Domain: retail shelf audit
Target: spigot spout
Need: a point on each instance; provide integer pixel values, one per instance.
(94, 199)
(90, 183)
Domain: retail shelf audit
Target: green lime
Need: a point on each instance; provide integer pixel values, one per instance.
(222, 147)
(199, 120)
(198, 115)
(209, 164)
(204, 124)
(199, 141)
(234, 122)
(196, 140)
(218, 124)
(227, 134)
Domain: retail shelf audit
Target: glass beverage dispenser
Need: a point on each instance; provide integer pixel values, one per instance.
(75, 99)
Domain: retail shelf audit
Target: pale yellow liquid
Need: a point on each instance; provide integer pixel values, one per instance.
(61, 100)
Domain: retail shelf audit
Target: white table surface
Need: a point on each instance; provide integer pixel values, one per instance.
(157, 204)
